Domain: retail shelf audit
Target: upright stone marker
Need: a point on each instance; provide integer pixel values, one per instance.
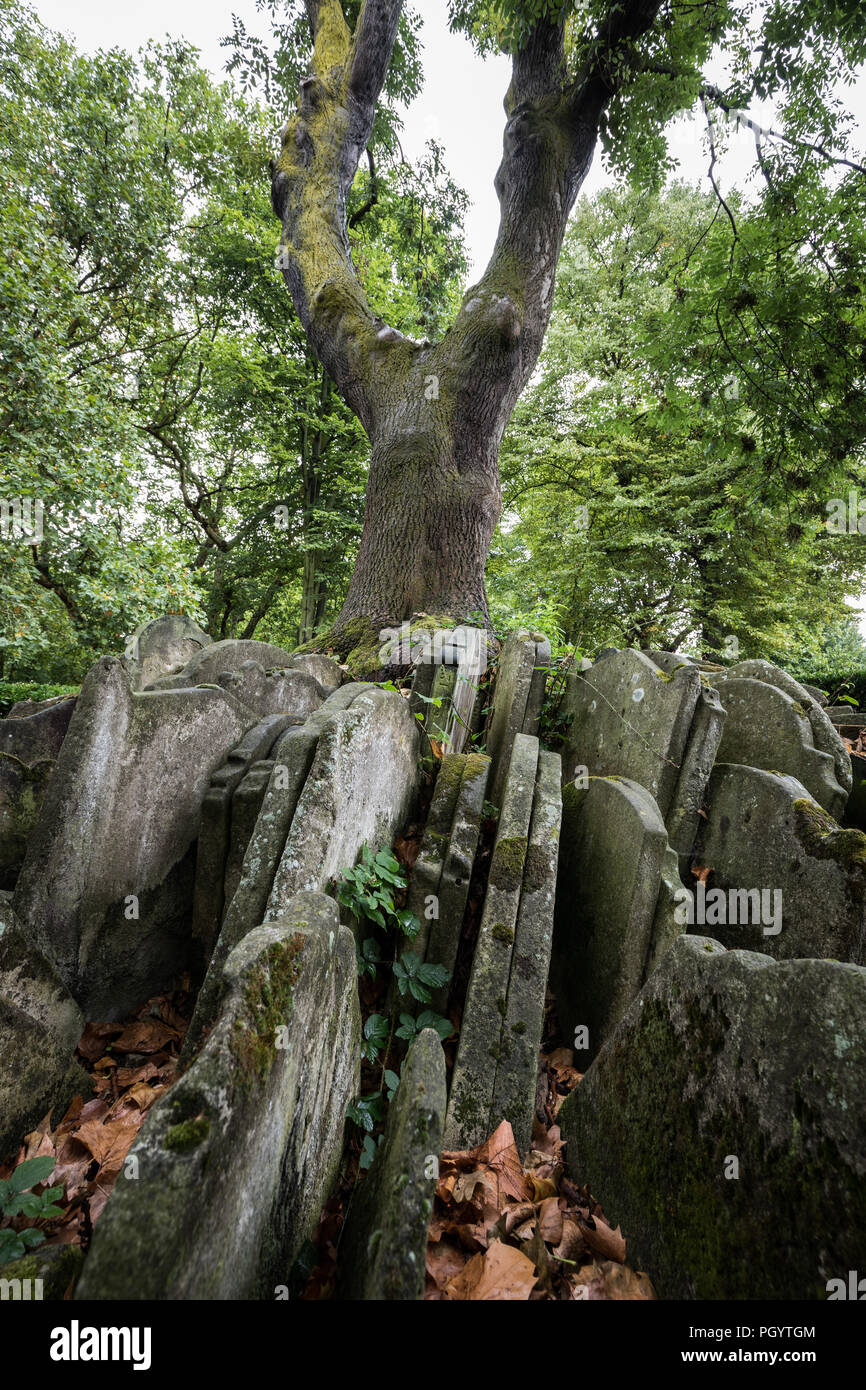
(519, 695)
(724, 1123)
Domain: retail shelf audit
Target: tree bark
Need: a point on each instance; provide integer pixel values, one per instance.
(435, 413)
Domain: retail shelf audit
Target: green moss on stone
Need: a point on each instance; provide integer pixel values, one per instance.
(506, 871)
(823, 838)
(186, 1136)
(267, 1006)
(503, 933)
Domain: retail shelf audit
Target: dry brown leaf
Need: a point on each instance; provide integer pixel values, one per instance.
(501, 1274)
(148, 1035)
(550, 1220)
(604, 1241)
(572, 1245)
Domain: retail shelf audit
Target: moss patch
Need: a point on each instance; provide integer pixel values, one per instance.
(823, 838)
(187, 1135)
(267, 1006)
(506, 871)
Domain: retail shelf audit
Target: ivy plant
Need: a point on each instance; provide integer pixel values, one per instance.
(16, 1199)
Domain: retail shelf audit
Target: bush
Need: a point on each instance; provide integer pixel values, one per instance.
(840, 684)
(13, 691)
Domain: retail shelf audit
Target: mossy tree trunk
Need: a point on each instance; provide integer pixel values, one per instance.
(435, 413)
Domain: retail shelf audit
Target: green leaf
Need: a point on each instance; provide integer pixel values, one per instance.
(31, 1172)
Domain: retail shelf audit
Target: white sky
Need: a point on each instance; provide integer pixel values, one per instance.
(461, 104)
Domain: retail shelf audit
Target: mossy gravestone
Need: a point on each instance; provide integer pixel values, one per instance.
(615, 905)
(384, 1240)
(660, 728)
(227, 1177)
(723, 1122)
(763, 834)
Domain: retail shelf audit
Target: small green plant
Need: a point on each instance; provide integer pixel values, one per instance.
(369, 891)
(16, 1199)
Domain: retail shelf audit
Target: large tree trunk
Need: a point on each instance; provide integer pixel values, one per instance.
(435, 413)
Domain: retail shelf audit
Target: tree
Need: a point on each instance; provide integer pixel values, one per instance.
(435, 411)
(637, 509)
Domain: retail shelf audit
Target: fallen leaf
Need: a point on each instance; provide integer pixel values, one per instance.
(501, 1273)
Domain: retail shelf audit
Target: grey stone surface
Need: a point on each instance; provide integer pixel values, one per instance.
(470, 1104)
(660, 728)
(162, 647)
(361, 789)
(37, 1074)
(383, 1245)
(825, 737)
(770, 728)
(29, 746)
(517, 700)
(323, 669)
(732, 1056)
(236, 1160)
(40, 1025)
(522, 1022)
(273, 692)
(346, 776)
(764, 832)
(32, 983)
(615, 904)
(119, 823)
(443, 869)
(207, 665)
(215, 835)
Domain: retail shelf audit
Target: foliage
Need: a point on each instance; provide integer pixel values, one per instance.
(636, 505)
(17, 1199)
(368, 891)
(13, 691)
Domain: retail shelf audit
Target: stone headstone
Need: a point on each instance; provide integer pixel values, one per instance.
(273, 692)
(206, 666)
(236, 1160)
(40, 1025)
(29, 746)
(383, 1244)
(106, 890)
(162, 647)
(615, 905)
(798, 878)
(522, 1024)
(439, 884)
(517, 701)
(724, 1123)
(470, 1107)
(215, 835)
(776, 725)
(659, 728)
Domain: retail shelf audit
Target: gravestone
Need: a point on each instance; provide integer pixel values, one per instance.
(723, 1121)
(383, 1245)
(206, 666)
(615, 905)
(439, 883)
(770, 727)
(235, 1161)
(764, 835)
(162, 647)
(106, 890)
(659, 728)
(517, 701)
(29, 746)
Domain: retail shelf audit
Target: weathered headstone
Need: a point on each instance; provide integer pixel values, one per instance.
(383, 1245)
(659, 728)
(724, 1123)
(518, 698)
(40, 1025)
(106, 890)
(273, 692)
(522, 1024)
(439, 885)
(470, 1120)
(216, 830)
(162, 647)
(615, 905)
(346, 776)
(206, 666)
(775, 724)
(29, 746)
(786, 878)
(234, 1163)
